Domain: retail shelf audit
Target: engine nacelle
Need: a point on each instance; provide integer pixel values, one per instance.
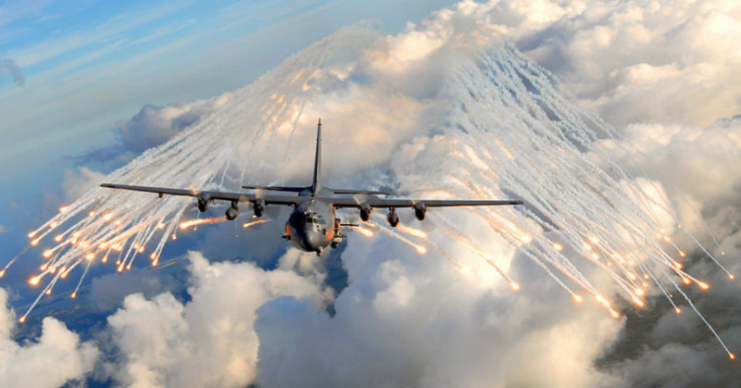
(393, 219)
(203, 202)
(365, 212)
(258, 207)
(420, 210)
(232, 213)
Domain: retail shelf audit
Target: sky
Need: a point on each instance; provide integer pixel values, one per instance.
(94, 85)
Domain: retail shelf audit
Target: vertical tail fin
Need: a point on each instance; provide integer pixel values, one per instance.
(316, 185)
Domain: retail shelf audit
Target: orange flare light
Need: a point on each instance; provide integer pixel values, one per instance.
(36, 242)
(702, 285)
(63, 209)
(578, 298)
(678, 265)
(731, 356)
(48, 253)
(515, 286)
(187, 224)
(23, 319)
(614, 314)
(414, 232)
(558, 247)
(2, 273)
(638, 302)
(421, 249)
(34, 280)
(685, 280)
(74, 295)
(53, 224)
(730, 276)
(32, 234)
(594, 240)
(252, 223)
(92, 214)
(365, 232)
(678, 310)
(58, 238)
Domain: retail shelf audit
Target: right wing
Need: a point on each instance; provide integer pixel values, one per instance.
(212, 195)
(405, 202)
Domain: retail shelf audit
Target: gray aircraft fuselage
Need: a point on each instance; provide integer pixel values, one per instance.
(311, 225)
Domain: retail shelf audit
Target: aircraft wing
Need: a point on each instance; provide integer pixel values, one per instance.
(405, 202)
(212, 195)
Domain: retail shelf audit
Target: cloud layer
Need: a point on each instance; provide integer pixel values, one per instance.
(208, 341)
(52, 360)
(407, 320)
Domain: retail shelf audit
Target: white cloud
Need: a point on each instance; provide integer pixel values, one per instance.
(155, 125)
(208, 341)
(52, 360)
(79, 181)
(416, 321)
(621, 58)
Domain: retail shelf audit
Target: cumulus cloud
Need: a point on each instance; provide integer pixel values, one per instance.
(54, 359)
(406, 321)
(153, 125)
(79, 181)
(410, 321)
(617, 56)
(208, 341)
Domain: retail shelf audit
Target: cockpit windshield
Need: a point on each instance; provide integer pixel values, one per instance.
(315, 220)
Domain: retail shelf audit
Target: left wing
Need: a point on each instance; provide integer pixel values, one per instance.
(405, 202)
(213, 195)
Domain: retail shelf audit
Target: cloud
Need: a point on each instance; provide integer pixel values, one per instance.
(3, 229)
(406, 320)
(615, 57)
(208, 341)
(54, 359)
(10, 66)
(79, 181)
(155, 125)
(412, 322)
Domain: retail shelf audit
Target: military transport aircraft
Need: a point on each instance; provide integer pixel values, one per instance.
(313, 224)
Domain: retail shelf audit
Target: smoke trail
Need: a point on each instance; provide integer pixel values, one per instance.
(10, 66)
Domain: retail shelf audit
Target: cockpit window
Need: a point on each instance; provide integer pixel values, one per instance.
(318, 222)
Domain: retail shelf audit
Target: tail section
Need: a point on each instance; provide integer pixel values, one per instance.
(316, 185)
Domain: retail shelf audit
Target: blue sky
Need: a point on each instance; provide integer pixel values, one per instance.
(89, 64)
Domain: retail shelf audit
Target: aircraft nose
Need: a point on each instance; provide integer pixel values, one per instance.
(313, 239)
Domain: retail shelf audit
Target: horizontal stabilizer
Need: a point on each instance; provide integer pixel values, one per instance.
(277, 188)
